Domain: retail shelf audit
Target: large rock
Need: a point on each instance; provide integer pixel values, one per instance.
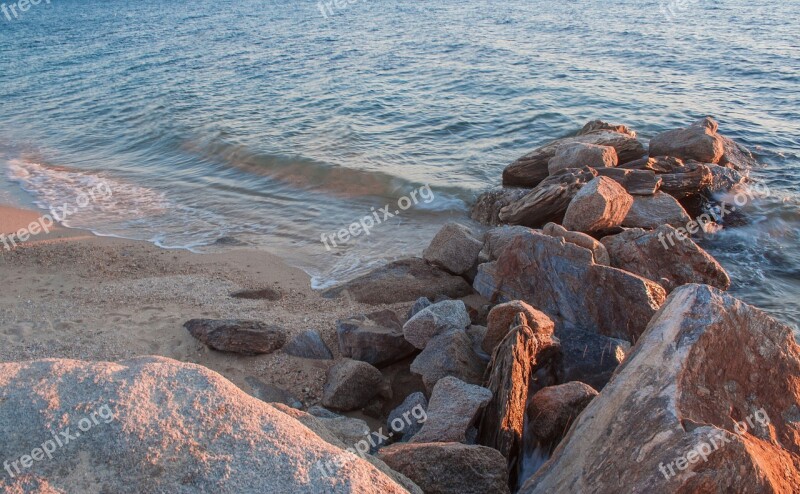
(449, 468)
(486, 209)
(599, 205)
(376, 338)
(579, 154)
(449, 354)
(453, 409)
(635, 182)
(666, 257)
(501, 320)
(308, 344)
(724, 179)
(497, 239)
(736, 156)
(688, 181)
(653, 211)
(436, 319)
(655, 164)
(552, 410)
(454, 249)
(237, 335)
(531, 169)
(350, 431)
(407, 419)
(562, 280)
(153, 424)
(698, 142)
(590, 358)
(350, 385)
(706, 402)
(581, 239)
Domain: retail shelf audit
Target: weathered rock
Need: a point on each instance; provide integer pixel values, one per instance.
(401, 281)
(562, 280)
(711, 379)
(600, 204)
(350, 385)
(552, 410)
(656, 164)
(449, 354)
(449, 468)
(308, 344)
(724, 179)
(581, 239)
(531, 169)
(497, 239)
(590, 358)
(736, 156)
(420, 304)
(693, 178)
(549, 200)
(158, 425)
(349, 431)
(435, 319)
(477, 334)
(407, 419)
(666, 257)
(635, 182)
(237, 335)
(453, 409)
(486, 209)
(501, 319)
(578, 155)
(454, 249)
(376, 338)
(271, 394)
(653, 211)
(698, 142)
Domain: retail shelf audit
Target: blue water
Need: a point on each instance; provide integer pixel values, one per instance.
(268, 122)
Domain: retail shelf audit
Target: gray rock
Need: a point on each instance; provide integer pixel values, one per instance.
(653, 211)
(449, 354)
(271, 393)
(350, 385)
(486, 209)
(420, 304)
(599, 205)
(698, 142)
(579, 154)
(689, 181)
(736, 156)
(435, 319)
(236, 335)
(590, 358)
(308, 344)
(724, 179)
(453, 409)
(635, 182)
(375, 338)
(454, 249)
(407, 419)
(349, 430)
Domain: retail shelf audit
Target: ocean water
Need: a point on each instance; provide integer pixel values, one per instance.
(275, 122)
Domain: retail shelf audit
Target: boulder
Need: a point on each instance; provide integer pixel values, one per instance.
(724, 179)
(349, 431)
(237, 335)
(653, 211)
(552, 410)
(449, 468)
(736, 156)
(635, 182)
(590, 358)
(436, 319)
(153, 424)
(579, 154)
(655, 164)
(407, 419)
(698, 142)
(350, 385)
(449, 354)
(453, 409)
(600, 204)
(501, 321)
(562, 280)
(486, 209)
(581, 239)
(690, 181)
(420, 304)
(532, 168)
(454, 249)
(497, 239)
(706, 402)
(308, 344)
(271, 394)
(376, 338)
(401, 281)
(666, 257)
(549, 200)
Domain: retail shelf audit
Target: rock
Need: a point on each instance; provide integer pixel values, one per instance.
(308, 344)
(453, 409)
(736, 156)
(578, 155)
(666, 257)
(486, 209)
(590, 358)
(268, 293)
(476, 335)
(420, 304)
(153, 424)
(434, 320)
(501, 319)
(600, 204)
(548, 201)
(698, 142)
(724, 179)
(497, 239)
(454, 249)
(449, 354)
(401, 281)
(407, 419)
(635, 182)
(532, 168)
(711, 379)
(376, 338)
(562, 280)
(656, 164)
(350, 385)
(271, 394)
(449, 468)
(653, 211)
(581, 239)
(552, 410)
(237, 335)
(348, 430)
(693, 178)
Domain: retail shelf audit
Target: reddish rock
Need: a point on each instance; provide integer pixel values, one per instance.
(699, 142)
(502, 316)
(635, 182)
(600, 204)
(579, 154)
(454, 249)
(552, 410)
(581, 239)
(653, 211)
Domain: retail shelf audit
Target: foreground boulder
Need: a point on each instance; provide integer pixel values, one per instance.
(434, 320)
(699, 142)
(153, 424)
(405, 280)
(375, 338)
(237, 335)
(454, 249)
(666, 257)
(453, 409)
(653, 211)
(706, 402)
(350, 385)
(599, 205)
(449, 354)
(449, 468)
